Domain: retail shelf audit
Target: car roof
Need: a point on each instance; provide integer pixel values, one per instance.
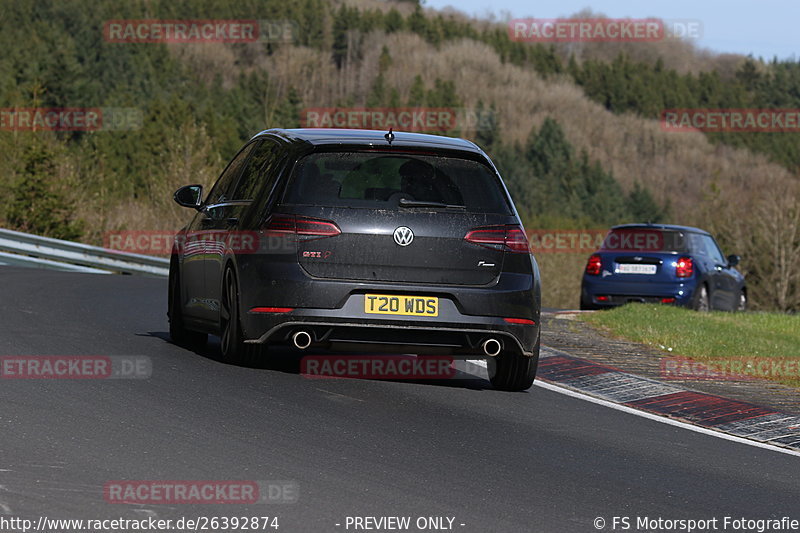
(337, 137)
(661, 226)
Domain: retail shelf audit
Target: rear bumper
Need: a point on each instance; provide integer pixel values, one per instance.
(332, 312)
(429, 339)
(620, 293)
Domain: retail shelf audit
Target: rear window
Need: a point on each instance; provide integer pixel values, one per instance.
(381, 180)
(645, 240)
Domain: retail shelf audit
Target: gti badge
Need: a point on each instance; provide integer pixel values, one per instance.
(403, 236)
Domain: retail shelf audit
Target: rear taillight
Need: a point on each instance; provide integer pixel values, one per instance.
(525, 321)
(684, 267)
(306, 227)
(594, 265)
(510, 238)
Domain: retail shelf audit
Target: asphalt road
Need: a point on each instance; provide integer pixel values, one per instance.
(533, 461)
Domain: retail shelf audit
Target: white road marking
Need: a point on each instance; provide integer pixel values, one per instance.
(341, 395)
(663, 420)
(651, 416)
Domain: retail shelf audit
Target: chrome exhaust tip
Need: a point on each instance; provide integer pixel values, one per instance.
(301, 340)
(492, 347)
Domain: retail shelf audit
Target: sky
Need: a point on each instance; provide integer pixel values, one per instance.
(763, 28)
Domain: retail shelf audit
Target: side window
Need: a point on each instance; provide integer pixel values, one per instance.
(713, 250)
(260, 170)
(222, 191)
(698, 245)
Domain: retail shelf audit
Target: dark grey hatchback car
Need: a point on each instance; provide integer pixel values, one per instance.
(359, 240)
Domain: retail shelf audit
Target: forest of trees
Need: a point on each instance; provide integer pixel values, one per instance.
(199, 103)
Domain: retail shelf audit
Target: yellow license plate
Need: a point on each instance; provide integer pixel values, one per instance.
(393, 304)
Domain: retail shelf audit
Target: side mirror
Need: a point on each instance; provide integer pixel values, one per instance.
(189, 196)
(733, 260)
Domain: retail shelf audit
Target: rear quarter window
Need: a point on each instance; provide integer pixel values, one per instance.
(705, 246)
(380, 180)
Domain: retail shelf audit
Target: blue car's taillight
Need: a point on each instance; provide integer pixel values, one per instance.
(684, 267)
(594, 265)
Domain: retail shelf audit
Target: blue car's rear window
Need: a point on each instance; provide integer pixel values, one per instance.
(645, 240)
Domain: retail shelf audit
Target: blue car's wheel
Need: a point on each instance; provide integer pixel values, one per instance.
(701, 302)
(741, 303)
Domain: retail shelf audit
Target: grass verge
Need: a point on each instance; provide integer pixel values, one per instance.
(715, 345)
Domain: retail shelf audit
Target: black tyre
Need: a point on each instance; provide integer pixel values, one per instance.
(701, 302)
(232, 345)
(177, 331)
(586, 302)
(512, 371)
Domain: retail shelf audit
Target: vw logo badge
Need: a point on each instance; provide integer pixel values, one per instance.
(403, 236)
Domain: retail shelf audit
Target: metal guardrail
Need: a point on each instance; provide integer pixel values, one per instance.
(45, 252)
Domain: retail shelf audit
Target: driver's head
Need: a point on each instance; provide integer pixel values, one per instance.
(414, 168)
(417, 180)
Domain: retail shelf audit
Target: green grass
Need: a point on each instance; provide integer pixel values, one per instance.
(716, 336)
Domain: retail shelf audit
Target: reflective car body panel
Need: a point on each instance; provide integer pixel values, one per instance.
(319, 241)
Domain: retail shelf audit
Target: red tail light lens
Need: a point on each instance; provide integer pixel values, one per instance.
(667, 300)
(684, 267)
(594, 265)
(526, 321)
(511, 238)
(517, 241)
(307, 227)
(280, 225)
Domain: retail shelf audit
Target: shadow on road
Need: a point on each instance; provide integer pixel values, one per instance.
(289, 361)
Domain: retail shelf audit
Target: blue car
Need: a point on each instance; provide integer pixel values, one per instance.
(659, 263)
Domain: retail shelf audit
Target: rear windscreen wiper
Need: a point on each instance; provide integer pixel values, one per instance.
(418, 203)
